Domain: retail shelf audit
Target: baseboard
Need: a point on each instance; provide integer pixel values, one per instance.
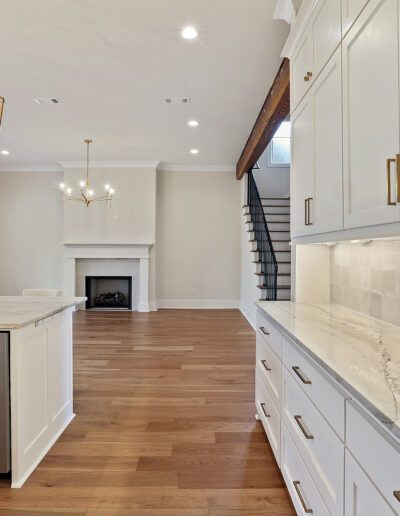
(249, 314)
(198, 304)
(153, 306)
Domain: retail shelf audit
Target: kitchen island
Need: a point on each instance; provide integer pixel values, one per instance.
(39, 333)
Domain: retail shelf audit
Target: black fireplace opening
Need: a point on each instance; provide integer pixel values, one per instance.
(109, 292)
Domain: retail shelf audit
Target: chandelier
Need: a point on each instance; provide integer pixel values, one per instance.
(87, 195)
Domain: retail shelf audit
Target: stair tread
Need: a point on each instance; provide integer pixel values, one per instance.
(286, 274)
(279, 287)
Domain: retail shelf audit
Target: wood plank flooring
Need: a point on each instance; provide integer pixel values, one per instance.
(165, 423)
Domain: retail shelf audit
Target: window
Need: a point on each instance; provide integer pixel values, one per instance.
(279, 148)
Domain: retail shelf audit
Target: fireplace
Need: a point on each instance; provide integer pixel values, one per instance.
(108, 292)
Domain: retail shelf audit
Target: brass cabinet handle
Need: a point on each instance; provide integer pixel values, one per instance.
(305, 212)
(307, 510)
(309, 74)
(265, 332)
(389, 161)
(301, 375)
(264, 363)
(398, 177)
(396, 494)
(306, 78)
(306, 434)
(263, 409)
(309, 211)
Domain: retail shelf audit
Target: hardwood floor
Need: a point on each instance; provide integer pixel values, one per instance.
(165, 423)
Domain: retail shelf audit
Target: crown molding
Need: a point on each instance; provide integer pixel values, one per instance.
(110, 164)
(31, 168)
(179, 167)
(299, 26)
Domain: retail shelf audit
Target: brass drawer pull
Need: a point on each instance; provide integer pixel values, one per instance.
(389, 183)
(397, 495)
(266, 366)
(306, 78)
(307, 510)
(265, 332)
(301, 375)
(263, 409)
(306, 434)
(305, 212)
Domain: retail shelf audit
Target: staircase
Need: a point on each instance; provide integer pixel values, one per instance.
(277, 216)
(268, 221)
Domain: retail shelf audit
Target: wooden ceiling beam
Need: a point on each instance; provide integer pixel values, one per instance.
(275, 110)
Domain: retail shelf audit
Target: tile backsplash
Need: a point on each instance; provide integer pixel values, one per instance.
(366, 278)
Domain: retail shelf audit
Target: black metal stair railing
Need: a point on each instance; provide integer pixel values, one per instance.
(265, 249)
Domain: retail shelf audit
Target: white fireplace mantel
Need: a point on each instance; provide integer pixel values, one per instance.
(74, 251)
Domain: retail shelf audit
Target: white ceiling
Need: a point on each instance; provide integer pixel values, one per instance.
(112, 62)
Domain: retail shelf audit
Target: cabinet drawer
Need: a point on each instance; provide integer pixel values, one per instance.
(270, 369)
(270, 333)
(269, 415)
(302, 490)
(318, 445)
(362, 498)
(378, 454)
(328, 400)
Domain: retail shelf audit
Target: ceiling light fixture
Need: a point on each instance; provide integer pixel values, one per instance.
(87, 194)
(193, 123)
(5, 152)
(194, 151)
(189, 33)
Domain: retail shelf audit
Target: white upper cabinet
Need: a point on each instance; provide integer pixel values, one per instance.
(350, 10)
(319, 41)
(300, 71)
(317, 155)
(326, 32)
(301, 170)
(371, 115)
(326, 95)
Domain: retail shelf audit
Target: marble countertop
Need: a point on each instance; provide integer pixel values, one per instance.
(360, 352)
(19, 311)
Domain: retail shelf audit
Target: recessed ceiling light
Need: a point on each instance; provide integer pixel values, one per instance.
(193, 123)
(5, 152)
(189, 33)
(194, 151)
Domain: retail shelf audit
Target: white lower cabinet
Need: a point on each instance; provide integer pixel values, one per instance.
(304, 494)
(362, 497)
(334, 457)
(268, 415)
(320, 448)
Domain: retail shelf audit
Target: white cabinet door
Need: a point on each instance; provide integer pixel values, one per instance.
(371, 113)
(361, 496)
(350, 10)
(301, 170)
(300, 70)
(326, 33)
(326, 96)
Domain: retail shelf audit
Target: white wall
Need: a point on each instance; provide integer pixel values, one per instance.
(131, 217)
(30, 231)
(249, 293)
(198, 239)
(272, 181)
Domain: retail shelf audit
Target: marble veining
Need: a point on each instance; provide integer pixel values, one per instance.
(360, 352)
(19, 311)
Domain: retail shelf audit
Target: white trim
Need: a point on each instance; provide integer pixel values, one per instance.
(249, 314)
(31, 168)
(180, 167)
(110, 164)
(299, 27)
(153, 306)
(196, 304)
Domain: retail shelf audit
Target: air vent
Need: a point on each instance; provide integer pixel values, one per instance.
(177, 100)
(43, 101)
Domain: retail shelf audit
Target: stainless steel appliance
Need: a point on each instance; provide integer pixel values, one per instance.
(5, 442)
